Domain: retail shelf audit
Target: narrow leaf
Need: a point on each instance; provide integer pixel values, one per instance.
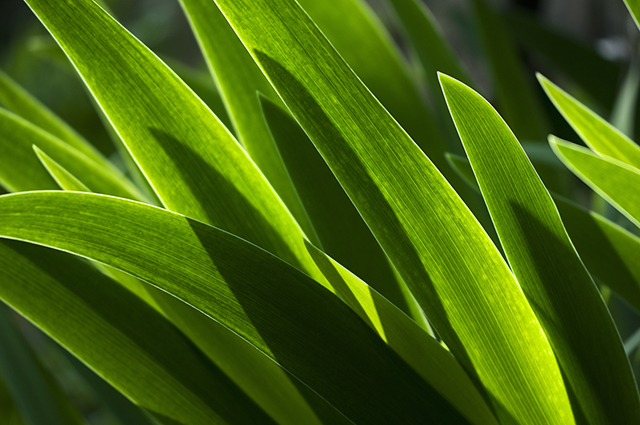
(277, 308)
(614, 180)
(22, 103)
(598, 134)
(433, 240)
(21, 169)
(575, 319)
(192, 161)
(608, 251)
(74, 303)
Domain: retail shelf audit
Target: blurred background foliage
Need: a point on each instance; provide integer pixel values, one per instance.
(589, 47)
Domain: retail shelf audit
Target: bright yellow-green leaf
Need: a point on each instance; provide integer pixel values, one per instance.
(192, 161)
(420, 350)
(21, 169)
(280, 310)
(609, 252)
(433, 240)
(598, 134)
(614, 180)
(540, 253)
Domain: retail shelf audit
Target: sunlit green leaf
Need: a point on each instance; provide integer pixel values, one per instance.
(540, 253)
(433, 240)
(280, 310)
(614, 180)
(608, 251)
(598, 134)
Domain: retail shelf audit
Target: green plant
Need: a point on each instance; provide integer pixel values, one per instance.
(207, 296)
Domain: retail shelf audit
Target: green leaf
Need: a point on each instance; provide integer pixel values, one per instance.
(21, 169)
(74, 303)
(340, 228)
(192, 161)
(232, 354)
(598, 134)
(574, 316)
(22, 103)
(577, 61)
(634, 8)
(433, 240)
(420, 350)
(608, 251)
(64, 178)
(515, 93)
(278, 309)
(612, 179)
(37, 396)
(239, 79)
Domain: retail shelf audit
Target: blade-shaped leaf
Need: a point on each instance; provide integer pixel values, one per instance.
(192, 161)
(22, 103)
(598, 134)
(420, 350)
(433, 240)
(609, 252)
(277, 308)
(239, 79)
(21, 169)
(634, 8)
(615, 181)
(340, 228)
(74, 303)
(248, 368)
(576, 320)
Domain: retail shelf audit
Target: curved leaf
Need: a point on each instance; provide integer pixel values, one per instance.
(192, 161)
(280, 310)
(598, 134)
(609, 252)
(433, 240)
(421, 351)
(614, 180)
(575, 319)
(21, 169)
(74, 303)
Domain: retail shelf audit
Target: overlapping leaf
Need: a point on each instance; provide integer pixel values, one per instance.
(280, 310)
(576, 320)
(598, 134)
(435, 243)
(614, 180)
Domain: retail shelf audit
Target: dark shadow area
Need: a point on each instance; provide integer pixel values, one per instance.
(127, 314)
(340, 228)
(345, 361)
(585, 341)
(224, 205)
